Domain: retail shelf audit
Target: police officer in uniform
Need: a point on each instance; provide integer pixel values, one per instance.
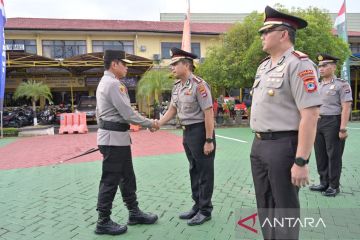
(331, 133)
(284, 114)
(114, 114)
(191, 101)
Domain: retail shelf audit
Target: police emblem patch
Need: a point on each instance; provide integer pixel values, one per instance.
(122, 89)
(310, 84)
(202, 90)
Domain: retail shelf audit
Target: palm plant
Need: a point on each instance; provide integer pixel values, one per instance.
(153, 83)
(33, 90)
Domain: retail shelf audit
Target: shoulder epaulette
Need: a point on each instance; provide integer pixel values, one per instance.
(178, 81)
(300, 55)
(197, 79)
(264, 59)
(340, 79)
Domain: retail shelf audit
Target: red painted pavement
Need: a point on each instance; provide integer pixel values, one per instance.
(48, 150)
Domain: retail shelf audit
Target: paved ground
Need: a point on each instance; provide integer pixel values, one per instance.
(40, 199)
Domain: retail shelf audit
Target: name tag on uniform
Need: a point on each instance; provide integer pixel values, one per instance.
(276, 75)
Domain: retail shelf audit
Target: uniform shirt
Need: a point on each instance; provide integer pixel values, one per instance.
(113, 104)
(334, 93)
(280, 91)
(191, 99)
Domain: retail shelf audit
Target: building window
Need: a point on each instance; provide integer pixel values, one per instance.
(101, 46)
(26, 45)
(166, 46)
(63, 49)
(355, 47)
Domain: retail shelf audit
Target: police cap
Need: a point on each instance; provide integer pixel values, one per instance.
(110, 55)
(324, 59)
(178, 54)
(274, 18)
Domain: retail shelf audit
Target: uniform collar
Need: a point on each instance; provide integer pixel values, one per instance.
(331, 81)
(188, 81)
(108, 73)
(281, 61)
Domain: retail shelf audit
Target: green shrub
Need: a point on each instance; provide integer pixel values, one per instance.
(11, 132)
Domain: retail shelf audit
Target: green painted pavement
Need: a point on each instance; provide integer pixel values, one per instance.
(59, 202)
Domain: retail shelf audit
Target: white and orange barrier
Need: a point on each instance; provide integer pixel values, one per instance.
(73, 123)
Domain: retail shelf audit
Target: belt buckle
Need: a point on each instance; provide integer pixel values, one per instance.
(258, 135)
(183, 127)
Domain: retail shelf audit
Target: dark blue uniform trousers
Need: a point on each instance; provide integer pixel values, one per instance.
(201, 167)
(117, 171)
(276, 196)
(329, 150)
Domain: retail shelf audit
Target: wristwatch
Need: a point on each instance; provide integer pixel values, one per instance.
(301, 162)
(209, 140)
(343, 130)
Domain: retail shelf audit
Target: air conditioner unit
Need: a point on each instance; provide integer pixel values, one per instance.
(142, 48)
(156, 57)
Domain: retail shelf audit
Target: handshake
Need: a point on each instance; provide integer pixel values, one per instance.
(155, 125)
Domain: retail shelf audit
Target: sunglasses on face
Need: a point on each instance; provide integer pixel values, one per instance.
(267, 31)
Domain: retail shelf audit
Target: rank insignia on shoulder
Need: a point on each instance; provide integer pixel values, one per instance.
(197, 79)
(202, 90)
(300, 55)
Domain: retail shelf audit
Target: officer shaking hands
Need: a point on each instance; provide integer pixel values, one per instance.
(191, 101)
(284, 113)
(114, 114)
(331, 133)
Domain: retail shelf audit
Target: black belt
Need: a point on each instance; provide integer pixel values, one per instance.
(113, 126)
(275, 135)
(330, 116)
(191, 126)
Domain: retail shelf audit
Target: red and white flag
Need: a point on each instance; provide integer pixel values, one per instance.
(340, 19)
(186, 38)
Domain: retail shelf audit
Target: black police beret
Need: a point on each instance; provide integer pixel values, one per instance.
(274, 18)
(324, 58)
(178, 54)
(110, 55)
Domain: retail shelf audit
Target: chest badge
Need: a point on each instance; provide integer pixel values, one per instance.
(332, 87)
(271, 92)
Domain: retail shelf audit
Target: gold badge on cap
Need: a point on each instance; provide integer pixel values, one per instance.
(271, 92)
(320, 58)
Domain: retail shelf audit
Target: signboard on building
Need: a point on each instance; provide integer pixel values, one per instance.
(14, 47)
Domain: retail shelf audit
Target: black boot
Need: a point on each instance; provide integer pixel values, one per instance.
(136, 216)
(106, 226)
(188, 215)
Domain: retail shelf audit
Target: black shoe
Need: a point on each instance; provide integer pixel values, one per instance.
(136, 216)
(198, 219)
(318, 188)
(188, 215)
(109, 227)
(331, 192)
